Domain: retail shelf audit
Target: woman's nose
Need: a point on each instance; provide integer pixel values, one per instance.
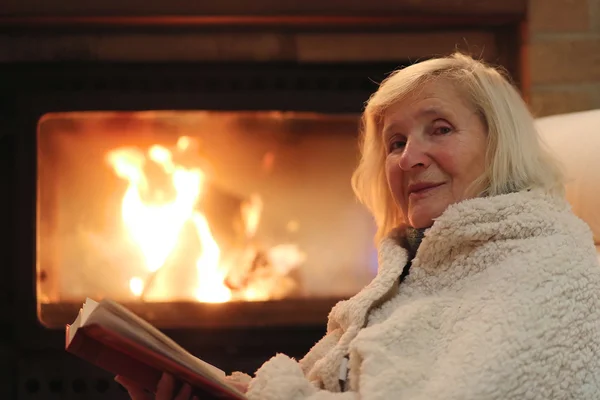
(414, 155)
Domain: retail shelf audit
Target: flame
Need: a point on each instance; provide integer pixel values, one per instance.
(211, 288)
(155, 228)
(251, 211)
(161, 201)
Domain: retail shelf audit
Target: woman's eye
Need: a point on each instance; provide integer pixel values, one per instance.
(442, 130)
(397, 144)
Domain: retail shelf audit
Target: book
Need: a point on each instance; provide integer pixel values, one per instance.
(115, 339)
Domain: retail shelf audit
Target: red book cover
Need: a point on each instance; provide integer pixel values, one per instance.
(122, 356)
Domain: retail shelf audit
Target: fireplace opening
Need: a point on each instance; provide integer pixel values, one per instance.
(190, 208)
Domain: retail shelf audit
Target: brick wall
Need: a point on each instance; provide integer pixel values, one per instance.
(564, 55)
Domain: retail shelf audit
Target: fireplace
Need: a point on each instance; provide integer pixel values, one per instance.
(156, 207)
(206, 189)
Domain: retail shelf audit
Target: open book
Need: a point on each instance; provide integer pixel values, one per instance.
(111, 337)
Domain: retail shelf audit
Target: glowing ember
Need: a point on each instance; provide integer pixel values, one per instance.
(136, 284)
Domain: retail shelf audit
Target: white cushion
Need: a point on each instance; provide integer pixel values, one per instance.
(575, 140)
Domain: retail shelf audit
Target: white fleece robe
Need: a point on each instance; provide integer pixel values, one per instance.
(502, 302)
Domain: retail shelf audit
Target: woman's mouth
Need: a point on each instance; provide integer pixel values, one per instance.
(423, 189)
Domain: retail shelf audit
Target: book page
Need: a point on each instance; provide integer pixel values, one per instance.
(74, 326)
(88, 307)
(84, 312)
(119, 319)
(161, 337)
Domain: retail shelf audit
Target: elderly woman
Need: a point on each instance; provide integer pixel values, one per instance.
(488, 285)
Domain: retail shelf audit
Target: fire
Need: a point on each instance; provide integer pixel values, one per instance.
(156, 209)
(155, 227)
(212, 288)
(251, 211)
(136, 284)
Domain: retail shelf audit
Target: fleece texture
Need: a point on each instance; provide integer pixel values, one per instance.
(502, 302)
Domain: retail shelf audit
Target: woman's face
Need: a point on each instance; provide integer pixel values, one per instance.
(435, 145)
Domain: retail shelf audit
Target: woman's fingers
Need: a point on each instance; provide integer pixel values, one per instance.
(164, 390)
(240, 385)
(135, 392)
(184, 393)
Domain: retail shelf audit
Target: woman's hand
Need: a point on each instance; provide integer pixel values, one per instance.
(239, 381)
(164, 390)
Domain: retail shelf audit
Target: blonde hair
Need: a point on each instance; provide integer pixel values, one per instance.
(516, 159)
